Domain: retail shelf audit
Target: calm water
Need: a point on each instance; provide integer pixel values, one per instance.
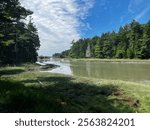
(104, 70)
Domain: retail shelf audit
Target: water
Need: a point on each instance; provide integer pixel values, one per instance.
(64, 66)
(104, 70)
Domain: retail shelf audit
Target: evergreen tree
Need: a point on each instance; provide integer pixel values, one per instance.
(97, 50)
(131, 41)
(15, 34)
(145, 42)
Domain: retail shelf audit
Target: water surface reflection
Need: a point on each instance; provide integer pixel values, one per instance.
(104, 70)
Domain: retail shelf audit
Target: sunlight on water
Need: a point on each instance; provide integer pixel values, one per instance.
(63, 69)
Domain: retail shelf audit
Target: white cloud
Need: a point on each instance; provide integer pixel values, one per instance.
(134, 5)
(58, 22)
(138, 8)
(142, 13)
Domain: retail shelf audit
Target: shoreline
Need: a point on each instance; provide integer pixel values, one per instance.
(111, 60)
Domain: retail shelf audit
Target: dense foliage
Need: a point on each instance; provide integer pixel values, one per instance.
(64, 54)
(131, 41)
(19, 40)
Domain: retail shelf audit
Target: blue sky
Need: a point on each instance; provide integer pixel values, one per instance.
(109, 15)
(61, 21)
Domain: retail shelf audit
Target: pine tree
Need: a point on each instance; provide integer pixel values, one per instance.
(14, 33)
(97, 50)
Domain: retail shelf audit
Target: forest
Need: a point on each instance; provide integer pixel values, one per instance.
(132, 41)
(19, 40)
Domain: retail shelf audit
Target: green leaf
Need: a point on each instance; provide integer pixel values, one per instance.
(8, 42)
(1, 35)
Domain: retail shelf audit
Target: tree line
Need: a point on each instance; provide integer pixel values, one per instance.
(19, 40)
(131, 41)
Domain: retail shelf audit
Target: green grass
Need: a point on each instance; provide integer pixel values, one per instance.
(22, 90)
(113, 60)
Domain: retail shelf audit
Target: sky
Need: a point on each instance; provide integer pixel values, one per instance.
(59, 22)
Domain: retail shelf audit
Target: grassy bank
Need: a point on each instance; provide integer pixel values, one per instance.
(113, 60)
(26, 90)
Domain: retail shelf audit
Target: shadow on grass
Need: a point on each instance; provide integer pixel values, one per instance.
(11, 71)
(61, 94)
